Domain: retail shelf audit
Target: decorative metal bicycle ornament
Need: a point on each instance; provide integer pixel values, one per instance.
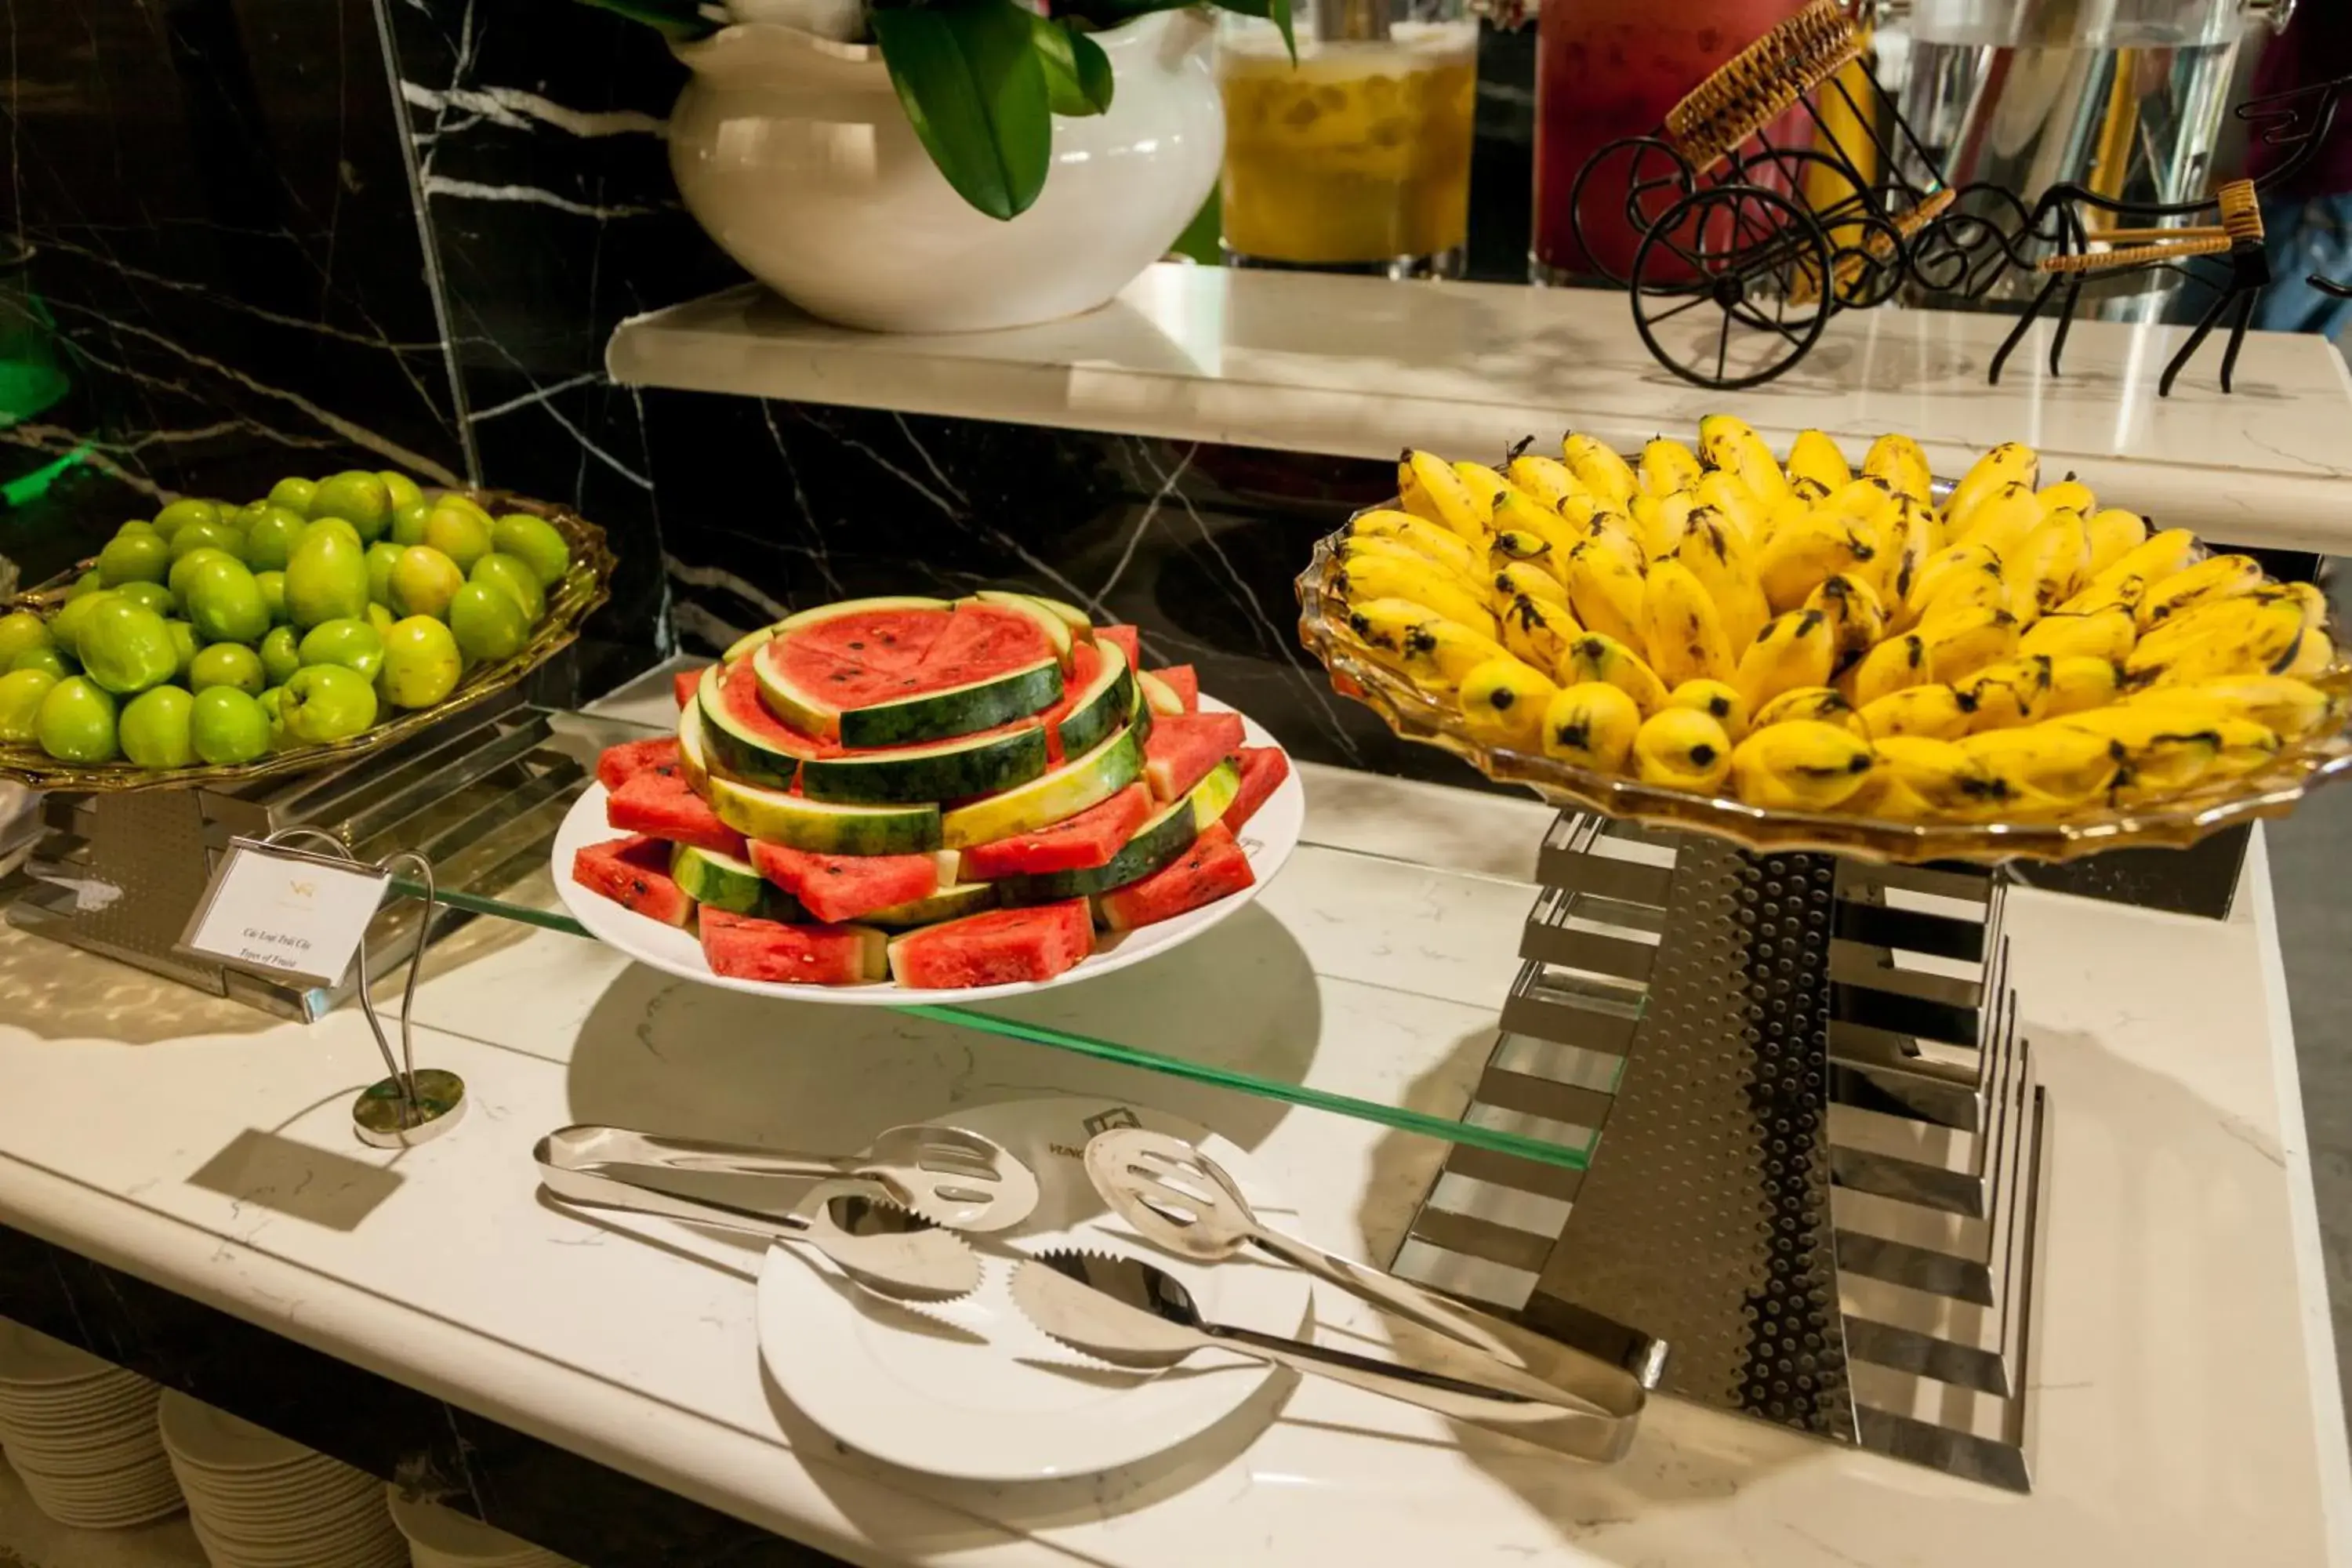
(1749, 241)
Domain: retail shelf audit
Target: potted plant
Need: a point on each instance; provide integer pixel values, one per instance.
(885, 163)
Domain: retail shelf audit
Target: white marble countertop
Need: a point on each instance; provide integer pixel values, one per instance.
(2188, 1400)
(1360, 367)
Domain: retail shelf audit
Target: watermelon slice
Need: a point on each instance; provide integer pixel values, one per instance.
(994, 949)
(1185, 682)
(1263, 770)
(1101, 698)
(961, 769)
(723, 882)
(783, 818)
(744, 948)
(979, 666)
(745, 740)
(666, 806)
(951, 902)
(620, 763)
(1056, 630)
(843, 887)
(1089, 839)
(1212, 868)
(1159, 841)
(634, 872)
(1129, 641)
(1184, 747)
(682, 684)
(887, 635)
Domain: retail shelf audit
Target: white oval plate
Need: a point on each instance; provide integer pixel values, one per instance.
(984, 1405)
(1268, 840)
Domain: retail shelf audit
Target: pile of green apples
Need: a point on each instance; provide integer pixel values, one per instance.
(217, 634)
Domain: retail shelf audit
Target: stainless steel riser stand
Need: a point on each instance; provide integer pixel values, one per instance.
(1817, 1146)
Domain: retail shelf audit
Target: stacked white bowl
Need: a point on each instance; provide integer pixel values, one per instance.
(80, 1432)
(259, 1500)
(439, 1537)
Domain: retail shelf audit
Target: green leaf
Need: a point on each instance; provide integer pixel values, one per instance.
(1093, 71)
(1077, 73)
(970, 80)
(1275, 11)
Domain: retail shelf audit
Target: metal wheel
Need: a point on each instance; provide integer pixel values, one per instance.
(1652, 177)
(1760, 264)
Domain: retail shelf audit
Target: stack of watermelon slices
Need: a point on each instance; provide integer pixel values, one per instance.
(947, 793)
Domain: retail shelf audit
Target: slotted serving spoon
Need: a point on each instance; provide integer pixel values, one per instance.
(950, 1177)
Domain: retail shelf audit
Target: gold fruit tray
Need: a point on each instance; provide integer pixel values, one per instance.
(2271, 791)
(585, 586)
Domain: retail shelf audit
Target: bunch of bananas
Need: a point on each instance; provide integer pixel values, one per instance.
(1807, 637)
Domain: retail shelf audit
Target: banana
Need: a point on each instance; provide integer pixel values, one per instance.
(1717, 553)
(2215, 617)
(1684, 749)
(1618, 532)
(2069, 494)
(2044, 770)
(1548, 479)
(2103, 633)
(1353, 550)
(2313, 653)
(1662, 521)
(1526, 578)
(1503, 704)
(1793, 651)
(1719, 701)
(1966, 640)
(1935, 711)
(1723, 493)
(1387, 577)
(2127, 579)
(1591, 725)
(2080, 682)
(1668, 466)
(1604, 592)
(1789, 509)
(1599, 468)
(1900, 462)
(2010, 463)
(2112, 531)
(1807, 704)
(2291, 708)
(2162, 750)
(1921, 779)
(1512, 545)
(2306, 596)
(1429, 489)
(1537, 632)
(1596, 656)
(1681, 629)
(1858, 620)
(2244, 747)
(1813, 492)
(2006, 694)
(1909, 535)
(1895, 665)
(1518, 513)
(1485, 486)
(2266, 639)
(1441, 545)
(2216, 577)
(1803, 766)
(1430, 650)
(2043, 572)
(1800, 557)
(1999, 523)
(1813, 456)
(1964, 577)
(1730, 444)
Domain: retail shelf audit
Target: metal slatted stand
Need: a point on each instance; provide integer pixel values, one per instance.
(1817, 1146)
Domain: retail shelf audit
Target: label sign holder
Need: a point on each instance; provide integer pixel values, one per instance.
(408, 1106)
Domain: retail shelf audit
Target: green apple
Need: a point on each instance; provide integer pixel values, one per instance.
(281, 654)
(421, 663)
(272, 537)
(75, 722)
(273, 594)
(326, 579)
(487, 622)
(134, 558)
(124, 647)
(227, 726)
(403, 489)
(515, 575)
(408, 522)
(52, 660)
(188, 645)
(536, 540)
(354, 644)
(180, 513)
(227, 664)
(326, 702)
(334, 525)
(381, 618)
(422, 581)
(155, 728)
(380, 557)
(203, 535)
(362, 500)
(225, 604)
(459, 533)
(21, 692)
(153, 596)
(184, 569)
(293, 494)
(66, 626)
(271, 696)
(20, 630)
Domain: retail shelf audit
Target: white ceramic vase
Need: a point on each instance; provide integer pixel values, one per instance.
(793, 152)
